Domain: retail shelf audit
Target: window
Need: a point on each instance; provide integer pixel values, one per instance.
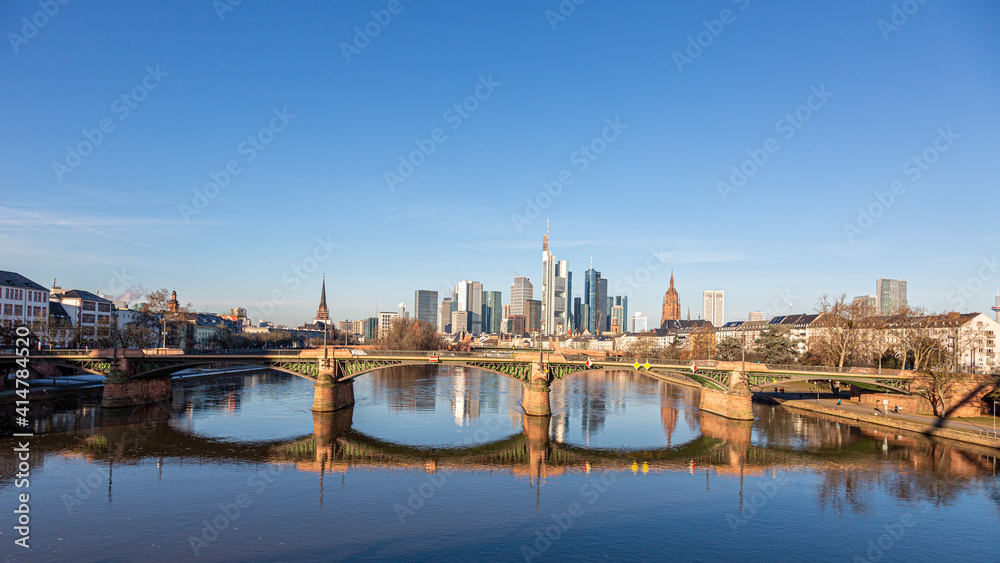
(88, 318)
(104, 307)
(89, 305)
(103, 320)
(18, 310)
(8, 309)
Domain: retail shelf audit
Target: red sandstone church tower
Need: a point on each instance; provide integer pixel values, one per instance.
(671, 304)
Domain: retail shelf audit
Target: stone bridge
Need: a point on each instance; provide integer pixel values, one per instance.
(135, 377)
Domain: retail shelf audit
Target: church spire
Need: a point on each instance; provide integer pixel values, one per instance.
(322, 314)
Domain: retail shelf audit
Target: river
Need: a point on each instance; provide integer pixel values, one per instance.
(440, 463)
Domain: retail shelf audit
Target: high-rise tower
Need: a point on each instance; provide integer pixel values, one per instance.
(555, 282)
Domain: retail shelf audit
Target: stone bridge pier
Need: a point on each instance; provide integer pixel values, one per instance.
(536, 429)
(735, 403)
(329, 394)
(535, 398)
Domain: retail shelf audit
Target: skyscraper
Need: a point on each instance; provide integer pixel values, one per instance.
(533, 315)
(520, 291)
(492, 311)
(890, 296)
(638, 322)
(671, 304)
(592, 297)
(469, 298)
(444, 316)
(555, 278)
(425, 306)
(713, 308)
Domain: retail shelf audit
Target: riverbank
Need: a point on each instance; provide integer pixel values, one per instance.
(49, 388)
(924, 425)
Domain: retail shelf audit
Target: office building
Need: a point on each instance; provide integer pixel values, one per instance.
(468, 298)
(385, 319)
(533, 315)
(592, 297)
(492, 311)
(444, 316)
(459, 321)
(520, 291)
(756, 316)
(890, 296)
(868, 304)
(713, 307)
(555, 280)
(638, 322)
(425, 306)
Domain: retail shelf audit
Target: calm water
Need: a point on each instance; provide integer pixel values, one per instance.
(439, 463)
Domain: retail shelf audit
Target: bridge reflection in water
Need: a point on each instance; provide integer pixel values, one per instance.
(724, 447)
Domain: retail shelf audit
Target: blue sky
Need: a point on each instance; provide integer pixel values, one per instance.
(315, 195)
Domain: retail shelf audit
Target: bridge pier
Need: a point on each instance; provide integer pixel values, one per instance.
(122, 391)
(735, 403)
(535, 398)
(536, 429)
(329, 394)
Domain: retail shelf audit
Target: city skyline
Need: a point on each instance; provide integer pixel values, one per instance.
(245, 175)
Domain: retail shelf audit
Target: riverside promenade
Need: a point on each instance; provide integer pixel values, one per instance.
(924, 424)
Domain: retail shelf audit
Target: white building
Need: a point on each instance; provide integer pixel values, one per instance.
(520, 291)
(385, 319)
(88, 312)
(469, 297)
(23, 302)
(713, 307)
(555, 282)
(638, 322)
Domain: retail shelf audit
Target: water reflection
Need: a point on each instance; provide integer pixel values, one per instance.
(679, 467)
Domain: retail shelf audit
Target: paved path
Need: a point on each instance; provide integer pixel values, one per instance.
(918, 418)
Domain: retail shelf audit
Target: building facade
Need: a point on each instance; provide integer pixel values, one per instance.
(24, 303)
(492, 311)
(425, 306)
(671, 303)
(555, 284)
(890, 296)
(713, 307)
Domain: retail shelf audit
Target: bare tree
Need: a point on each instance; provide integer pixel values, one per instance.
(937, 388)
(410, 334)
(840, 337)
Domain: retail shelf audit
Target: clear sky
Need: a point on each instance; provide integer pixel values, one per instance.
(314, 107)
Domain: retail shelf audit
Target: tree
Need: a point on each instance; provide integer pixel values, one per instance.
(936, 387)
(840, 337)
(409, 334)
(674, 350)
(775, 346)
(729, 348)
(643, 347)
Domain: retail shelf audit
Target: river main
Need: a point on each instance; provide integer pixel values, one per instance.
(440, 463)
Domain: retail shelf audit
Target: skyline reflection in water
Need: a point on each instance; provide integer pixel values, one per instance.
(436, 462)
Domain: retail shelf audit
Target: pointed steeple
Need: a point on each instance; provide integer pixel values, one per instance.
(671, 278)
(322, 314)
